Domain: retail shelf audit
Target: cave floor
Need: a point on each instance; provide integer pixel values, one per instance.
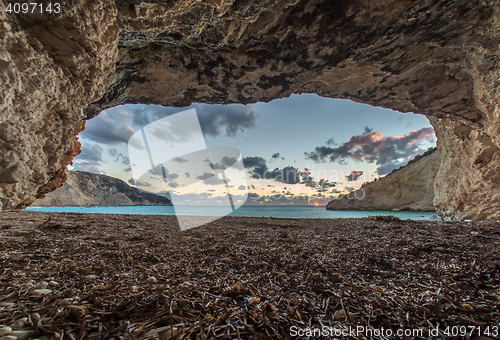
(91, 276)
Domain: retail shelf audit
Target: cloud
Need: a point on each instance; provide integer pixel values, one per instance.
(214, 119)
(179, 160)
(110, 127)
(114, 153)
(386, 152)
(257, 165)
(260, 170)
(124, 159)
(229, 118)
(331, 141)
(277, 156)
(354, 175)
(88, 166)
(242, 187)
(198, 196)
(139, 183)
(324, 183)
(173, 184)
(350, 189)
(210, 179)
(163, 172)
(90, 153)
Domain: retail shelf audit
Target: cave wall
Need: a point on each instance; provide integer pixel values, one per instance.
(438, 58)
(48, 74)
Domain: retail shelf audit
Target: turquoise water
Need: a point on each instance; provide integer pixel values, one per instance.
(249, 211)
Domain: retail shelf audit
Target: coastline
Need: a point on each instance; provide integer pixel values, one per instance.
(134, 274)
(244, 211)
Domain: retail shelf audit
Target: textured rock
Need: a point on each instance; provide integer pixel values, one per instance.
(119, 199)
(48, 74)
(468, 182)
(410, 188)
(83, 189)
(438, 58)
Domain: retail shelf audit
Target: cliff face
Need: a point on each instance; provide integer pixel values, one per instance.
(409, 188)
(87, 189)
(435, 57)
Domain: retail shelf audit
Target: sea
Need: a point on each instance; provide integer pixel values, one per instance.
(246, 211)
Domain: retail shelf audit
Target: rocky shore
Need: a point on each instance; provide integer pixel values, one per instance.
(91, 276)
(410, 188)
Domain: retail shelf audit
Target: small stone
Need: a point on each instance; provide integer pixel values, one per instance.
(19, 323)
(467, 307)
(65, 302)
(151, 279)
(24, 334)
(78, 311)
(134, 289)
(169, 333)
(42, 284)
(8, 337)
(90, 277)
(254, 301)
(7, 305)
(26, 286)
(35, 317)
(41, 292)
(4, 330)
(151, 333)
(15, 257)
(339, 315)
(53, 283)
(45, 320)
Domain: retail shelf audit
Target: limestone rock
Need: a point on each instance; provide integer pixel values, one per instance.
(85, 189)
(118, 199)
(410, 188)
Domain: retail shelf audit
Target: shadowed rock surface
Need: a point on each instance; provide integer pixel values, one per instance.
(437, 58)
(409, 188)
(83, 189)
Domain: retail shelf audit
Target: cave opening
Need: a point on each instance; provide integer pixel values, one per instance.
(303, 150)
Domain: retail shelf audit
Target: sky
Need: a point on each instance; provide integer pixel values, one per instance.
(304, 149)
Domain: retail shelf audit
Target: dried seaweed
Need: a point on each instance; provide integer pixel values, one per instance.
(78, 276)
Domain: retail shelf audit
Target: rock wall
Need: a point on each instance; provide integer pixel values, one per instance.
(49, 73)
(468, 182)
(438, 58)
(84, 189)
(410, 188)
